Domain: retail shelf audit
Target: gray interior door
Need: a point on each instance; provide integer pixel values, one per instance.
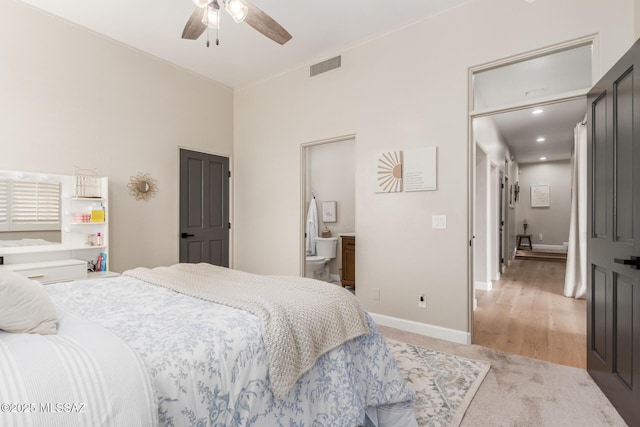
(204, 208)
(502, 185)
(613, 297)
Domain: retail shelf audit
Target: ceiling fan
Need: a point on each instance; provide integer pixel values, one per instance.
(207, 15)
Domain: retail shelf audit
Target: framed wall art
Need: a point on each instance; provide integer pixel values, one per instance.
(540, 196)
(389, 172)
(329, 212)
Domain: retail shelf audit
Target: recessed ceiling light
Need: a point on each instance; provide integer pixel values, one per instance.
(537, 111)
(543, 158)
(541, 139)
(529, 1)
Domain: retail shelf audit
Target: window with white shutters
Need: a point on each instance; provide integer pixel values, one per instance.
(35, 205)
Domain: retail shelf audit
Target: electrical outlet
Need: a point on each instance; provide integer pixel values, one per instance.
(422, 301)
(540, 236)
(375, 294)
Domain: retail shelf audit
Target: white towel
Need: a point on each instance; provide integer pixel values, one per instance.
(312, 227)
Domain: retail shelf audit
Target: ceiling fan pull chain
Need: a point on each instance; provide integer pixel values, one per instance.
(218, 30)
(206, 13)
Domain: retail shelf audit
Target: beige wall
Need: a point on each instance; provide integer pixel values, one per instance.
(73, 98)
(482, 217)
(405, 90)
(487, 136)
(552, 222)
(636, 4)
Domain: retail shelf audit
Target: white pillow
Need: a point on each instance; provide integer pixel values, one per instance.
(25, 307)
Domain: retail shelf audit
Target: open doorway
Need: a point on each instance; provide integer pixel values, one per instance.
(328, 210)
(527, 143)
(520, 305)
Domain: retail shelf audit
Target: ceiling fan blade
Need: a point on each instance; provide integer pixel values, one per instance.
(194, 26)
(265, 24)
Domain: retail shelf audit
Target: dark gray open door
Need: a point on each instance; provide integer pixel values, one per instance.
(503, 184)
(204, 208)
(613, 296)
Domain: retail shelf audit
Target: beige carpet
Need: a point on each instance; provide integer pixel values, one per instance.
(519, 391)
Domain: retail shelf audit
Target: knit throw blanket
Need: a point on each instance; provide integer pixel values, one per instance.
(301, 318)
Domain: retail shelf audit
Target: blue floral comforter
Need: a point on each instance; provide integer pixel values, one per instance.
(208, 361)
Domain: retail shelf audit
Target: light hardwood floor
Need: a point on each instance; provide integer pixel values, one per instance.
(527, 314)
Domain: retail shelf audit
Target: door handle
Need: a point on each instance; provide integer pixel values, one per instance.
(633, 262)
(185, 235)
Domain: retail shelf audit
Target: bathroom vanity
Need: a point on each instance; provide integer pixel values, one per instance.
(348, 260)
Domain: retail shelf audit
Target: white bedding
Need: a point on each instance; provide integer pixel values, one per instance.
(83, 376)
(301, 318)
(209, 364)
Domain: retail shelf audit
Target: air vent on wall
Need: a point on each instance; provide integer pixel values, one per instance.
(324, 66)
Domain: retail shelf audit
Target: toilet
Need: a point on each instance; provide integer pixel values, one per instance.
(317, 266)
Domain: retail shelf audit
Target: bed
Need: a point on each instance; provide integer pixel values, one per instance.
(136, 353)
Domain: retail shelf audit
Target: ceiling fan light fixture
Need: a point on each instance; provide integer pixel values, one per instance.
(201, 3)
(211, 17)
(237, 10)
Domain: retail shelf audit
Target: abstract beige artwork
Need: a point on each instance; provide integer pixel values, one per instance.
(389, 172)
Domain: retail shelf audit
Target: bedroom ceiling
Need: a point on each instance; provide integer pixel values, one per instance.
(546, 136)
(555, 124)
(320, 29)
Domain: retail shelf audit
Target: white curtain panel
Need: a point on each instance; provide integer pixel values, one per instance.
(575, 283)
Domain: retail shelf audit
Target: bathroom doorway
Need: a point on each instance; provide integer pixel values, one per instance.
(327, 205)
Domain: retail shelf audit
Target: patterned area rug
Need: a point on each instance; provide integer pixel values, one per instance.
(444, 384)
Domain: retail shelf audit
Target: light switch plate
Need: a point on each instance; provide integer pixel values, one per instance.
(439, 222)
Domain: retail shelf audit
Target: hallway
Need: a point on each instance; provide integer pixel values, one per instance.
(527, 314)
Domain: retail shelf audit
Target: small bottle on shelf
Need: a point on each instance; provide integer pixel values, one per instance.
(99, 239)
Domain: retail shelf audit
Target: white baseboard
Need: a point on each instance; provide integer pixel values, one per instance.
(483, 286)
(439, 332)
(549, 248)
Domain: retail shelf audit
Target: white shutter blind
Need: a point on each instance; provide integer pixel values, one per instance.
(4, 204)
(35, 205)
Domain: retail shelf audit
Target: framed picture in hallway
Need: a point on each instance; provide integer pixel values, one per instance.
(512, 199)
(540, 196)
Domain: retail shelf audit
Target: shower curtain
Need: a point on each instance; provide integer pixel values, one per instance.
(575, 283)
(312, 227)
